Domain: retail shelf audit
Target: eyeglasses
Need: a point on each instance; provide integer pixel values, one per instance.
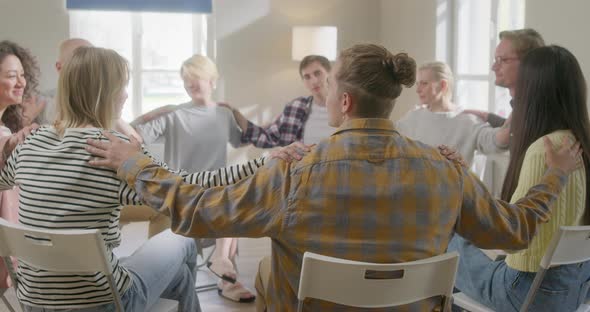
(500, 60)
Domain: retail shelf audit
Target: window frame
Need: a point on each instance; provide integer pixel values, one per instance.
(203, 43)
(447, 48)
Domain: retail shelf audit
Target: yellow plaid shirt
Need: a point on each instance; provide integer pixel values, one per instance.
(366, 193)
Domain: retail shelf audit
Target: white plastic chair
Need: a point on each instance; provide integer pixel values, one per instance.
(73, 251)
(5, 301)
(376, 285)
(570, 245)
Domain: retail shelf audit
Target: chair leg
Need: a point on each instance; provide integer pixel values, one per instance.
(533, 290)
(7, 304)
(446, 303)
(299, 305)
(206, 259)
(116, 296)
(14, 278)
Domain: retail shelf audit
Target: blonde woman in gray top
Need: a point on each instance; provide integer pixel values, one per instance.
(195, 137)
(440, 122)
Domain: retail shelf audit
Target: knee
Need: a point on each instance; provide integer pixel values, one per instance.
(455, 243)
(263, 273)
(187, 244)
(190, 246)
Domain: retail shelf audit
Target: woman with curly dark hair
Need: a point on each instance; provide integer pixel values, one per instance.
(18, 83)
(13, 117)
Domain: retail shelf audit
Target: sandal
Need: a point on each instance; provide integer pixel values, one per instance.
(235, 292)
(225, 277)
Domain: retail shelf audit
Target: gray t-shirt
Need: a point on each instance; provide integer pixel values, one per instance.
(195, 137)
(464, 132)
(316, 126)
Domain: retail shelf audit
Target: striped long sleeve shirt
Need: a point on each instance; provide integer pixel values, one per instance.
(365, 194)
(60, 190)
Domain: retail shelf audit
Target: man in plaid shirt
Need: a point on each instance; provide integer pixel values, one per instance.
(365, 194)
(298, 115)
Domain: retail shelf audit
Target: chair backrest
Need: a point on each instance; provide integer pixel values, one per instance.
(72, 251)
(55, 250)
(571, 244)
(376, 285)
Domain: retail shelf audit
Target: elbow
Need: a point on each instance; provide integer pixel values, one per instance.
(519, 245)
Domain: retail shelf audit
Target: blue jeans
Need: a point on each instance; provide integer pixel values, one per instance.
(164, 266)
(502, 288)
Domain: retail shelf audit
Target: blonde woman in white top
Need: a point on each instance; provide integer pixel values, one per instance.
(195, 137)
(440, 122)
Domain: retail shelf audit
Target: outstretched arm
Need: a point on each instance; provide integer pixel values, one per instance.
(495, 224)
(126, 129)
(240, 118)
(251, 207)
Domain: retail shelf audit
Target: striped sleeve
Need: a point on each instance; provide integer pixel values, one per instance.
(219, 177)
(222, 176)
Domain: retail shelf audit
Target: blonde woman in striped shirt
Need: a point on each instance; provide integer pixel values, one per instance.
(59, 190)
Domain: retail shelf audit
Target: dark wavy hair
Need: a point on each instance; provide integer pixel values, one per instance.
(12, 117)
(550, 95)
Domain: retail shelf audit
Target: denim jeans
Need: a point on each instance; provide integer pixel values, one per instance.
(164, 266)
(502, 288)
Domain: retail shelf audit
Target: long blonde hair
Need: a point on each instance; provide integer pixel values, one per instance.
(89, 86)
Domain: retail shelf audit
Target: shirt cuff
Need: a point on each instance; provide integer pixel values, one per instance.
(130, 168)
(496, 121)
(557, 178)
(246, 135)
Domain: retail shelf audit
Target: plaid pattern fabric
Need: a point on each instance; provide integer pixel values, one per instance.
(286, 129)
(366, 194)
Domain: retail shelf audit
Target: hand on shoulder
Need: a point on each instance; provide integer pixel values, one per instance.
(566, 158)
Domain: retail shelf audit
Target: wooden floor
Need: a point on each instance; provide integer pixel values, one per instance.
(250, 252)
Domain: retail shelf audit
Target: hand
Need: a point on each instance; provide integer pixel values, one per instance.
(31, 108)
(121, 126)
(568, 158)
(114, 153)
(16, 139)
(226, 105)
(154, 114)
(240, 119)
(294, 151)
(481, 114)
(452, 154)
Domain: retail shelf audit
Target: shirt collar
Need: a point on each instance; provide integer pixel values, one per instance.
(366, 124)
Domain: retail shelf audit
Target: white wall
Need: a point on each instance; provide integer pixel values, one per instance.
(253, 44)
(254, 39)
(39, 26)
(564, 23)
(409, 26)
(254, 57)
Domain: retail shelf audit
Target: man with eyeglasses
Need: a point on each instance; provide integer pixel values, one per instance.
(513, 46)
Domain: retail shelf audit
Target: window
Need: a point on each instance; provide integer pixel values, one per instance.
(155, 44)
(467, 35)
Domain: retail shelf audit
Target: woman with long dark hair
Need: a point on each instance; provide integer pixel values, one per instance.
(550, 103)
